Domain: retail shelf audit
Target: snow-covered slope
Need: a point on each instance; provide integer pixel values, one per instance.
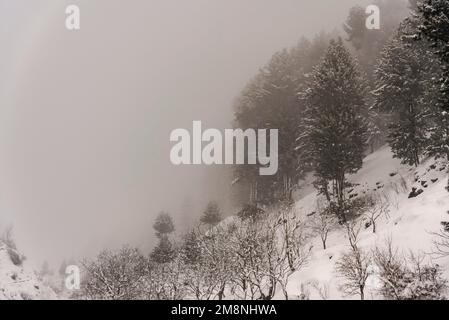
(410, 222)
(17, 281)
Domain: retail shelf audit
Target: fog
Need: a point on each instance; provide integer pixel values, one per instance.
(85, 116)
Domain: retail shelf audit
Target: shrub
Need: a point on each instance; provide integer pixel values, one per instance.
(16, 258)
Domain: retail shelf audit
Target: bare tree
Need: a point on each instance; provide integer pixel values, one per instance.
(286, 252)
(322, 289)
(268, 251)
(219, 258)
(441, 242)
(201, 281)
(391, 268)
(322, 223)
(114, 275)
(354, 266)
(165, 281)
(376, 207)
(249, 247)
(408, 277)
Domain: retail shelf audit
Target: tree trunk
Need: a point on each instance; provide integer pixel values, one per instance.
(221, 292)
(447, 187)
(340, 191)
(284, 290)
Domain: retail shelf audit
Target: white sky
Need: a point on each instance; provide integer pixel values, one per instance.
(85, 117)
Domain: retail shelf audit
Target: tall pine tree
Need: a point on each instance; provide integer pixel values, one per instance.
(270, 101)
(335, 126)
(403, 82)
(433, 16)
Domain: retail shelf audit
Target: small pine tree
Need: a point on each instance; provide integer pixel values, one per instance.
(163, 224)
(191, 248)
(62, 268)
(45, 269)
(212, 215)
(164, 251)
(250, 211)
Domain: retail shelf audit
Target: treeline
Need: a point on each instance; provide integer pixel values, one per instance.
(335, 99)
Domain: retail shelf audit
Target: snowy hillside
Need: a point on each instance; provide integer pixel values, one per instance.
(417, 203)
(17, 281)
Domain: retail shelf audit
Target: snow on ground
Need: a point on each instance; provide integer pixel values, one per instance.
(17, 281)
(409, 224)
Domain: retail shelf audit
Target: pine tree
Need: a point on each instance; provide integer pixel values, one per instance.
(413, 5)
(163, 224)
(270, 101)
(212, 215)
(433, 16)
(164, 251)
(191, 248)
(335, 126)
(45, 269)
(355, 26)
(403, 81)
(62, 268)
(370, 42)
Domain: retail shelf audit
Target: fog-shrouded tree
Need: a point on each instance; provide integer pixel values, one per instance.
(63, 268)
(270, 101)
(335, 126)
(367, 46)
(164, 251)
(163, 225)
(368, 43)
(212, 214)
(45, 269)
(413, 5)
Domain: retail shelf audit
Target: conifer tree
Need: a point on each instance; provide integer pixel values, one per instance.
(212, 215)
(403, 82)
(433, 16)
(163, 224)
(270, 101)
(164, 251)
(336, 129)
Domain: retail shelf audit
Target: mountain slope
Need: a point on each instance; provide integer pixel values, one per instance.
(411, 219)
(17, 281)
